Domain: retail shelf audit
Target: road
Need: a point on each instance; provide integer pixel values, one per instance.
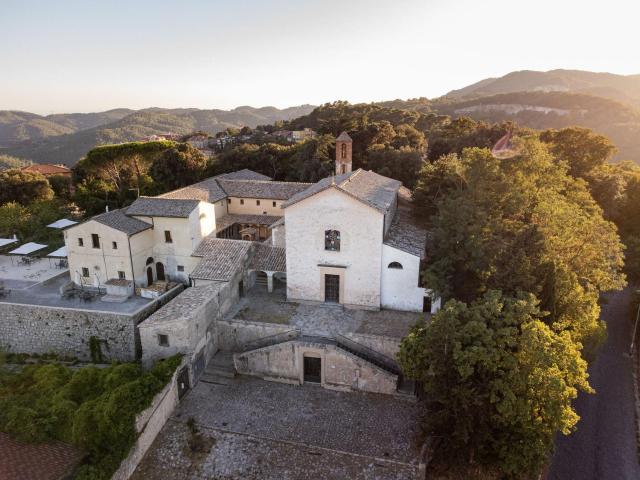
(604, 446)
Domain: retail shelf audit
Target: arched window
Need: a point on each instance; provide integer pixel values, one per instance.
(332, 240)
(343, 150)
(149, 260)
(397, 265)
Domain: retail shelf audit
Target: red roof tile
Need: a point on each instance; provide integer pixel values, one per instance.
(41, 461)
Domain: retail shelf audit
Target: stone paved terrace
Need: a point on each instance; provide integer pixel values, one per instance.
(252, 429)
(14, 274)
(322, 320)
(47, 294)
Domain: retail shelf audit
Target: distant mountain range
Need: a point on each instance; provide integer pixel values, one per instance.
(607, 103)
(604, 102)
(65, 138)
(623, 88)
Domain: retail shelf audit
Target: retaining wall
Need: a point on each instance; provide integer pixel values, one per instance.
(35, 329)
(148, 424)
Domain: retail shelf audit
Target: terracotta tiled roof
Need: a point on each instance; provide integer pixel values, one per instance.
(47, 169)
(162, 207)
(118, 220)
(373, 189)
(41, 461)
(243, 183)
(207, 190)
(244, 174)
(405, 233)
(221, 258)
(268, 258)
(261, 188)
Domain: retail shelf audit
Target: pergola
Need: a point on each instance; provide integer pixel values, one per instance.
(61, 254)
(26, 250)
(62, 224)
(7, 241)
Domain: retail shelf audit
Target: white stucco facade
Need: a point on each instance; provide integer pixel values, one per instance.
(254, 206)
(399, 287)
(94, 266)
(358, 261)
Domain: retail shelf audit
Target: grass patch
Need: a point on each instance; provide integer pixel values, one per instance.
(91, 408)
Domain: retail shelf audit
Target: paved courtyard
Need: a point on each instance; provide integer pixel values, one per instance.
(252, 429)
(47, 294)
(15, 274)
(323, 320)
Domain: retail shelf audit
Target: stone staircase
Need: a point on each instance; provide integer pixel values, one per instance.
(405, 386)
(220, 370)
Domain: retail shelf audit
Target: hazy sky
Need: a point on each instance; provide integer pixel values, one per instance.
(90, 55)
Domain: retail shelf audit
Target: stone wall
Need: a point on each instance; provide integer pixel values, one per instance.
(190, 322)
(148, 424)
(341, 370)
(35, 329)
(237, 335)
(387, 346)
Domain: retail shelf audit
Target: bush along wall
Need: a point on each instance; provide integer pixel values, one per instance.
(92, 408)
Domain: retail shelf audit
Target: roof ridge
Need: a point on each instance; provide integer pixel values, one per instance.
(348, 179)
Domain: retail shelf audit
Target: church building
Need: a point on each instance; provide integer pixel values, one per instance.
(348, 239)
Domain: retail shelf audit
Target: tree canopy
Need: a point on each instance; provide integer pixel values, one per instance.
(23, 187)
(500, 381)
(522, 251)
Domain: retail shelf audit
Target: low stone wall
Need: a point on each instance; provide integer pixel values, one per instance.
(388, 346)
(148, 424)
(35, 329)
(237, 335)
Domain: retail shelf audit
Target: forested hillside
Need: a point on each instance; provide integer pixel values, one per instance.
(541, 110)
(66, 138)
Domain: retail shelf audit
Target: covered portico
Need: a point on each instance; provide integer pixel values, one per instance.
(271, 262)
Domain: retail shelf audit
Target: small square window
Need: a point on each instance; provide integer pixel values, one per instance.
(274, 204)
(228, 200)
(80, 242)
(242, 201)
(163, 340)
(114, 245)
(167, 237)
(121, 275)
(181, 268)
(257, 202)
(85, 272)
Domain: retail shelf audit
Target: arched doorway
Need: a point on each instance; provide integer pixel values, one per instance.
(160, 272)
(149, 275)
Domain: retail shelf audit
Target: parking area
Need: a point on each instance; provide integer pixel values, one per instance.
(323, 319)
(253, 429)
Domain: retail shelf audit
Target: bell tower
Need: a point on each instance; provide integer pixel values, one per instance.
(344, 150)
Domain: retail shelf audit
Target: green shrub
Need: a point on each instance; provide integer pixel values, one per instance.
(92, 408)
